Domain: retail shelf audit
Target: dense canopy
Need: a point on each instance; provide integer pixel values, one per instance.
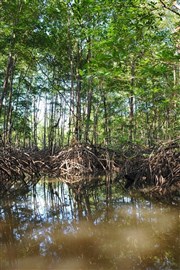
(105, 72)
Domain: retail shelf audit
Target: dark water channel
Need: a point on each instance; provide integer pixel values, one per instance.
(99, 226)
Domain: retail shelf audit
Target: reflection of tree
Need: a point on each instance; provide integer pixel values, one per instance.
(8, 239)
(94, 225)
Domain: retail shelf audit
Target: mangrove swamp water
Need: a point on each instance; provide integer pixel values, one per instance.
(97, 225)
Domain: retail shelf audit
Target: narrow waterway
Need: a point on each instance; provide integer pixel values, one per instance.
(96, 226)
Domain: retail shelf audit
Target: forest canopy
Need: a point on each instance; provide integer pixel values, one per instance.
(104, 72)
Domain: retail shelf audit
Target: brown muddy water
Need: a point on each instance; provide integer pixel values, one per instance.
(98, 226)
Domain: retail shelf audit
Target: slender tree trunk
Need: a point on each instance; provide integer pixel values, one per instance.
(89, 96)
(51, 134)
(9, 70)
(71, 107)
(34, 122)
(174, 104)
(9, 113)
(63, 127)
(9, 110)
(148, 131)
(106, 120)
(7, 87)
(45, 125)
(72, 76)
(89, 106)
(56, 119)
(131, 102)
(95, 127)
(78, 129)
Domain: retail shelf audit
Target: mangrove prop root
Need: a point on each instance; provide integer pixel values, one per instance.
(161, 169)
(19, 168)
(158, 168)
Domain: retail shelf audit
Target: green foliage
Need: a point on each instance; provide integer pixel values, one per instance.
(95, 57)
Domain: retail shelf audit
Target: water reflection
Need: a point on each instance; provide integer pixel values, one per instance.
(95, 225)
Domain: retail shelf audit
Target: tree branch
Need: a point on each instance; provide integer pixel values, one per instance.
(172, 10)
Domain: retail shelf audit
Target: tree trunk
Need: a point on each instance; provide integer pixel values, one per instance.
(45, 125)
(34, 122)
(9, 71)
(106, 121)
(89, 96)
(95, 127)
(78, 130)
(131, 102)
(72, 95)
